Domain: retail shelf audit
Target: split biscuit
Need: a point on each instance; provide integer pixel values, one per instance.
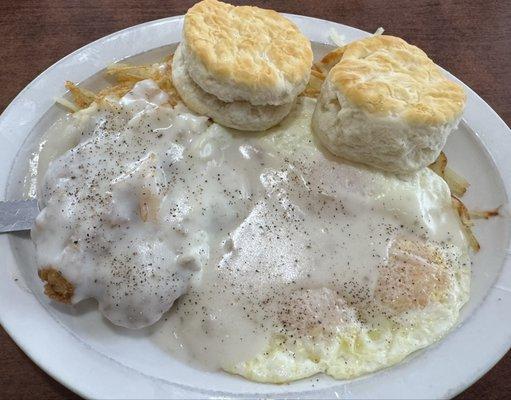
(242, 66)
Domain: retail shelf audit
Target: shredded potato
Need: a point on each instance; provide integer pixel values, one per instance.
(330, 59)
(320, 70)
(379, 31)
(440, 164)
(337, 38)
(467, 223)
(82, 97)
(458, 186)
(126, 76)
(484, 214)
(314, 86)
(67, 104)
(457, 183)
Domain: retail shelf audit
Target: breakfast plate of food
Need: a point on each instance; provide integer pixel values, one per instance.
(242, 203)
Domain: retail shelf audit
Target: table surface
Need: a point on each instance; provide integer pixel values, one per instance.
(471, 39)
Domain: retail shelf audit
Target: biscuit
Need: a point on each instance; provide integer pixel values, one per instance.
(245, 53)
(386, 104)
(237, 114)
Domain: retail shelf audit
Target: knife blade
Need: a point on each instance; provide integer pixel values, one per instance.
(17, 215)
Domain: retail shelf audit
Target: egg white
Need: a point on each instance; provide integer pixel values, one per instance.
(358, 347)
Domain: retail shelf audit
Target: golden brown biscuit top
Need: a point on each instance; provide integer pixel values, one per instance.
(245, 45)
(384, 75)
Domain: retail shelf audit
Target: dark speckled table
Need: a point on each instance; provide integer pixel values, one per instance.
(472, 39)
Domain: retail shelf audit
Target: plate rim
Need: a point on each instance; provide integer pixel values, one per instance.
(39, 358)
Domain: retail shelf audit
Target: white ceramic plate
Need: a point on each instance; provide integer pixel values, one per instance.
(93, 358)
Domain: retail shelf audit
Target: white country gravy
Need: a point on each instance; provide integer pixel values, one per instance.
(254, 233)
